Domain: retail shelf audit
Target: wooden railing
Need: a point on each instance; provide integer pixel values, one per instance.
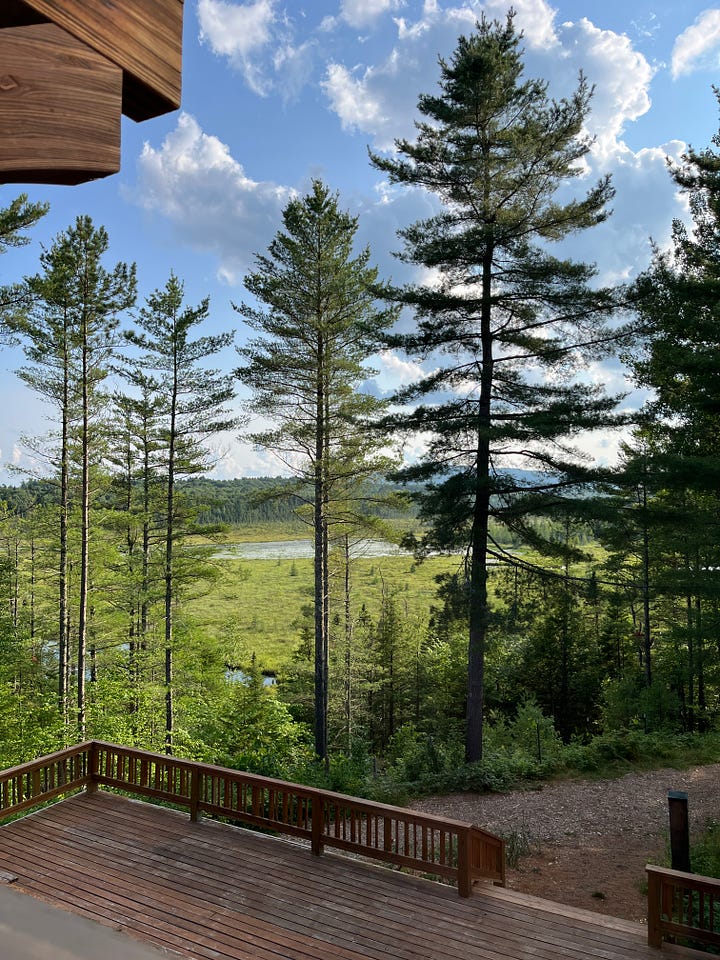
(682, 905)
(420, 842)
(34, 783)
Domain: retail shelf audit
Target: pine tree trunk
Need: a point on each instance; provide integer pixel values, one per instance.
(63, 638)
(320, 561)
(145, 588)
(32, 591)
(479, 612)
(84, 539)
(169, 538)
(169, 706)
(700, 659)
(690, 663)
(348, 649)
(647, 638)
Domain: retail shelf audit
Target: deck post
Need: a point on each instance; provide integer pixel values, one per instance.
(195, 812)
(654, 907)
(679, 830)
(316, 823)
(92, 768)
(463, 863)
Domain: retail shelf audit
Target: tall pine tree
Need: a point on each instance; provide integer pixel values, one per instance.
(320, 325)
(504, 323)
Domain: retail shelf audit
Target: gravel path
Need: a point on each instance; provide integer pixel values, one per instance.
(569, 809)
(589, 840)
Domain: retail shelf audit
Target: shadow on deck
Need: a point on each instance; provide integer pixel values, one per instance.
(211, 890)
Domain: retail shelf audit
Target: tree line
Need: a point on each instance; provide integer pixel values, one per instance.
(505, 328)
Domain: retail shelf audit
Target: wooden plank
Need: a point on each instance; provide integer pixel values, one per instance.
(142, 37)
(59, 108)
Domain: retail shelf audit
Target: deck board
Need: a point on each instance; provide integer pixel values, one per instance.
(214, 892)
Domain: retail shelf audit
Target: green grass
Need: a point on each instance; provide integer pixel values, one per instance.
(255, 606)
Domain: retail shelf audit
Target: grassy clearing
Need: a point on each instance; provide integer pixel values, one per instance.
(257, 606)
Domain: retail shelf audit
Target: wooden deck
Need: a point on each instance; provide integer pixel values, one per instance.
(210, 890)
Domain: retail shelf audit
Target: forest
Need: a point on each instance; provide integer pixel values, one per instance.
(574, 610)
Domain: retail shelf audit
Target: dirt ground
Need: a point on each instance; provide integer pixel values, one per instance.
(586, 842)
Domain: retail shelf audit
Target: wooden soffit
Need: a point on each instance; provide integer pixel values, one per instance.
(142, 37)
(69, 69)
(59, 108)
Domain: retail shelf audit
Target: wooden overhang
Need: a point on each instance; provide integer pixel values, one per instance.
(68, 69)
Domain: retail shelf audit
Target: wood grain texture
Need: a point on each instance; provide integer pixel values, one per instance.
(212, 891)
(60, 105)
(143, 37)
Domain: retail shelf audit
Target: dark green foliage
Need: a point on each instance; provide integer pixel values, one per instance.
(247, 727)
(15, 219)
(679, 360)
(258, 500)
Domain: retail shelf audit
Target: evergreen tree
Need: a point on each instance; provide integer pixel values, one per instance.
(136, 503)
(679, 360)
(320, 326)
(504, 323)
(68, 338)
(193, 408)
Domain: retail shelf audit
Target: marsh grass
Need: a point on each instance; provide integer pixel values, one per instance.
(257, 605)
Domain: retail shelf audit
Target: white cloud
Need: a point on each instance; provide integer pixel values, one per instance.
(535, 18)
(363, 13)
(294, 64)
(194, 181)
(645, 204)
(360, 14)
(698, 46)
(621, 76)
(231, 457)
(234, 29)
(394, 371)
(380, 98)
(358, 106)
(240, 32)
(259, 43)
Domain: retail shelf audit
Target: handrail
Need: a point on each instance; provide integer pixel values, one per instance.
(407, 838)
(682, 905)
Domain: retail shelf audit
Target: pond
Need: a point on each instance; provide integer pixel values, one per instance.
(302, 550)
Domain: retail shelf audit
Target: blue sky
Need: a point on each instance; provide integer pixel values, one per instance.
(276, 93)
